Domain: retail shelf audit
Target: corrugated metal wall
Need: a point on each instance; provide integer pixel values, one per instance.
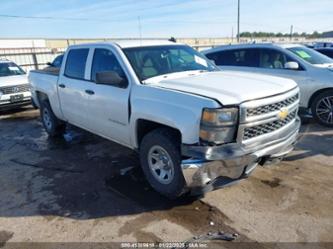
(30, 58)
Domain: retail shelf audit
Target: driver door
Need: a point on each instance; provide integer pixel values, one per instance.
(108, 104)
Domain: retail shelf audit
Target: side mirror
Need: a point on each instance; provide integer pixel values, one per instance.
(111, 78)
(49, 64)
(292, 65)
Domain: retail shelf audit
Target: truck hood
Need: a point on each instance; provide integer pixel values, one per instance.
(228, 87)
(13, 80)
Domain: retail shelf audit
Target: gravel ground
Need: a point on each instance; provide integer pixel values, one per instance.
(87, 189)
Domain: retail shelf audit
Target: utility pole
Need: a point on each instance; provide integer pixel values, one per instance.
(140, 31)
(291, 32)
(238, 16)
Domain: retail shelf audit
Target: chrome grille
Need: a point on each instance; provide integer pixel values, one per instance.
(255, 131)
(271, 107)
(15, 89)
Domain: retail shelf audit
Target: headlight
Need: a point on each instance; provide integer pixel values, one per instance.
(216, 117)
(219, 125)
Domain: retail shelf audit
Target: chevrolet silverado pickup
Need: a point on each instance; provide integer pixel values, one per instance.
(194, 126)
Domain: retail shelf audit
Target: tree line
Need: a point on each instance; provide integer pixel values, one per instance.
(315, 34)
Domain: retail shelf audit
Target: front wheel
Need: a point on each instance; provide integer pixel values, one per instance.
(160, 160)
(322, 108)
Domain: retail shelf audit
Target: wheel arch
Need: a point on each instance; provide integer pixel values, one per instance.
(144, 126)
(315, 94)
(41, 96)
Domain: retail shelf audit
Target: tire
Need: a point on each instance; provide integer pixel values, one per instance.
(34, 104)
(322, 108)
(160, 156)
(53, 126)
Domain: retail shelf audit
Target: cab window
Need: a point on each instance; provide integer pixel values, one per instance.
(76, 63)
(103, 61)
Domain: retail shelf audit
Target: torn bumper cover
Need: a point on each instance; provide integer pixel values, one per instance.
(216, 166)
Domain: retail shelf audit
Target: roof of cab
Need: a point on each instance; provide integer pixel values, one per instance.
(130, 43)
(143, 43)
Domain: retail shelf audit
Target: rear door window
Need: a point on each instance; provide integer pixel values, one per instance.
(236, 57)
(76, 63)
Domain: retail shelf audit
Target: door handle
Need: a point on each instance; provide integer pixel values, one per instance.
(90, 92)
(62, 85)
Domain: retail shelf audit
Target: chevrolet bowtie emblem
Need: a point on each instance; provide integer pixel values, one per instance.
(283, 113)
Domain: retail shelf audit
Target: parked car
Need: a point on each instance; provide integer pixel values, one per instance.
(323, 45)
(326, 51)
(14, 86)
(55, 65)
(311, 70)
(194, 126)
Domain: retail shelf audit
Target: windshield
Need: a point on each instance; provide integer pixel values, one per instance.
(153, 61)
(9, 69)
(311, 55)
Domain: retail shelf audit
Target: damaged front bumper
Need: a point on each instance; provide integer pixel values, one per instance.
(213, 167)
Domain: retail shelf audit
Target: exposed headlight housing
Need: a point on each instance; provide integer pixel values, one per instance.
(219, 125)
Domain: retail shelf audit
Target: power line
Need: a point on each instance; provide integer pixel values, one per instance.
(111, 20)
(57, 18)
(238, 21)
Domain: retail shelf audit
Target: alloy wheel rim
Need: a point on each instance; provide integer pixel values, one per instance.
(324, 110)
(160, 164)
(47, 119)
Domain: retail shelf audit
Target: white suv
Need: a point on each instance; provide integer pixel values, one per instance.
(311, 70)
(14, 86)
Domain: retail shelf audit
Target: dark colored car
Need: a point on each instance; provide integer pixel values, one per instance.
(55, 65)
(326, 51)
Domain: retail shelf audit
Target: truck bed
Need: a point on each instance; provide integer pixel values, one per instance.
(45, 81)
(48, 70)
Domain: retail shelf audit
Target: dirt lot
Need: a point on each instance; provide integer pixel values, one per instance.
(83, 189)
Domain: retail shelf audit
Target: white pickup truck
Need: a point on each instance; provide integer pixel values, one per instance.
(194, 126)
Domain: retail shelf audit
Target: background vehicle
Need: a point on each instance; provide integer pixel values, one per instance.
(311, 70)
(326, 51)
(55, 65)
(14, 86)
(192, 129)
(323, 45)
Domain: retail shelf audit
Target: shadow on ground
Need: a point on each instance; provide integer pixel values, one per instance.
(313, 140)
(80, 176)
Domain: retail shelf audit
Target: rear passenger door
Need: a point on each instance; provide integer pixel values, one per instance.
(72, 85)
(236, 59)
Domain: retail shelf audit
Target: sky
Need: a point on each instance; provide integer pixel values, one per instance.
(159, 18)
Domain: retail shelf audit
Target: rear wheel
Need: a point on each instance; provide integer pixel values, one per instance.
(160, 160)
(322, 108)
(53, 126)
